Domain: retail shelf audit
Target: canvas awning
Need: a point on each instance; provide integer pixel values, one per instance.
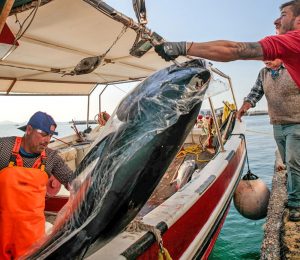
(61, 34)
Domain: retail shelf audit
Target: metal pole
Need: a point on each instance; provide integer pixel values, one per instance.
(215, 70)
(117, 16)
(100, 97)
(217, 125)
(88, 112)
(231, 89)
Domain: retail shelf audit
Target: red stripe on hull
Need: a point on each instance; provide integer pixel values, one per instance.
(181, 234)
(215, 236)
(54, 204)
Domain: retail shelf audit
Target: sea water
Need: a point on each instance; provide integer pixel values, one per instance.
(63, 129)
(240, 238)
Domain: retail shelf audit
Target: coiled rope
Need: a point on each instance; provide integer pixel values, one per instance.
(137, 225)
(192, 149)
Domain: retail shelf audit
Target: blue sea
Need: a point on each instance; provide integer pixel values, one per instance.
(240, 238)
(63, 129)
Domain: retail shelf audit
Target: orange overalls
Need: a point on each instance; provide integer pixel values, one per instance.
(22, 203)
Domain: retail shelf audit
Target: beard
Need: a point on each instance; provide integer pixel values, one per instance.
(284, 28)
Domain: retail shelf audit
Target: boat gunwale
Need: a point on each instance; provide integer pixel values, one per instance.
(161, 215)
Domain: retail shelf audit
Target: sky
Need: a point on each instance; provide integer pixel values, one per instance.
(175, 20)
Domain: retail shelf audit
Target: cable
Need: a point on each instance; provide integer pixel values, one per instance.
(249, 175)
(28, 68)
(20, 33)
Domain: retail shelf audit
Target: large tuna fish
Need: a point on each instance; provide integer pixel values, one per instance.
(120, 172)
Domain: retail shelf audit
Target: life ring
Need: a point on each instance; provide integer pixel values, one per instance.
(102, 118)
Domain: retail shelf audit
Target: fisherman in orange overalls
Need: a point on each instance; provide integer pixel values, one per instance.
(24, 163)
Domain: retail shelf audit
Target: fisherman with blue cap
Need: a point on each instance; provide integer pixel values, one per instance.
(26, 163)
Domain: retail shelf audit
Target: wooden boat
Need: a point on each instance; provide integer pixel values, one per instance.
(189, 218)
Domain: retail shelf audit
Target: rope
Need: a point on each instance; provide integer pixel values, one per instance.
(164, 254)
(115, 41)
(192, 149)
(24, 7)
(29, 68)
(21, 31)
(137, 225)
(247, 159)
(119, 89)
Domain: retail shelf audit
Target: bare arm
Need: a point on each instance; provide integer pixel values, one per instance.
(244, 108)
(226, 50)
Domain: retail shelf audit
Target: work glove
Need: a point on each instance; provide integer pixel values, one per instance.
(171, 50)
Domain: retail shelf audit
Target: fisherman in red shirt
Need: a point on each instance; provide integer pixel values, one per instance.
(285, 46)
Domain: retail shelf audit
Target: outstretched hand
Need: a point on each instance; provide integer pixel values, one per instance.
(171, 50)
(245, 107)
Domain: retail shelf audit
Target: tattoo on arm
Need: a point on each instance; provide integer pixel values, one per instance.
(249, 50)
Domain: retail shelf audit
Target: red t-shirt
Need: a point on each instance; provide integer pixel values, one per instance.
(287, 48)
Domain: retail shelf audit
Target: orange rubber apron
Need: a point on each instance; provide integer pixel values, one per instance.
(22, 203)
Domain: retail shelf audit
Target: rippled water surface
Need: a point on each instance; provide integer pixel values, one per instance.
(241, 238)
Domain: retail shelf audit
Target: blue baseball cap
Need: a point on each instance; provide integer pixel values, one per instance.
(43, 121)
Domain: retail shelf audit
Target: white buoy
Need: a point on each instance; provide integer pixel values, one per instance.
(251, 198)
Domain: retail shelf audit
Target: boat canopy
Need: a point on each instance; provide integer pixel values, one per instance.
(59, 35)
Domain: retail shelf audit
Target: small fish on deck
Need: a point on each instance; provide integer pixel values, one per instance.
(184, 173)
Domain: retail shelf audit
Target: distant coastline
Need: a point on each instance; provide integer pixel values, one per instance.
(83, 122)
(7, 122)
(257, 113)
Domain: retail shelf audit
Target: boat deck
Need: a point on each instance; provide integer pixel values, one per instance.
(281, 237)
(167, 186)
